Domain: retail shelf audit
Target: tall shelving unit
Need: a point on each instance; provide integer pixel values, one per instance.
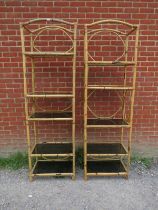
(48, 158)
(111, 158)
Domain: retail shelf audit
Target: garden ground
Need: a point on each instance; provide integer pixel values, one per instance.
(139, 192)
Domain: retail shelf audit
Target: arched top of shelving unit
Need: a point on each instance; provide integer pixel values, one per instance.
(112, 21)
(59, 35)
(111, 35)
(47, 20)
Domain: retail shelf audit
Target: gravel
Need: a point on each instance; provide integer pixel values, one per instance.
(139, 192)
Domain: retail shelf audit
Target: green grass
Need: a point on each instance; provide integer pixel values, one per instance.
(145, 161)
(20, 160)
(15, 161)
(79, 157)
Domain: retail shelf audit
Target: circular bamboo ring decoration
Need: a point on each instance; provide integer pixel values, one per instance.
(114, 32)
(55, 28)
(110, 116)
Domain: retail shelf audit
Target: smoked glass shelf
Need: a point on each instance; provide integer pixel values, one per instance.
(48, 116)
(106, 149)
(92, 123)
(52, 149)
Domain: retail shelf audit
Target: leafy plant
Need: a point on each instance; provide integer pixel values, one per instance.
(14, 161)
(145, 161)
(79, 157)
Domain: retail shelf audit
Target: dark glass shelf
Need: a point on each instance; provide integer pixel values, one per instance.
(107, 123)
(52, 148)
(105, 148)
(51, 115)
(53, 167)
(109, 166)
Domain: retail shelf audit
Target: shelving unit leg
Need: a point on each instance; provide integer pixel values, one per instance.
(85, 101)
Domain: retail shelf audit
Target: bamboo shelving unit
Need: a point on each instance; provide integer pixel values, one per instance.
(109, 158)
(48, 158)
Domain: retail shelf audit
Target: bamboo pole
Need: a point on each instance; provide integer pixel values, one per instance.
(73, 99)
(85, 101)
(26, 102)
(133, 93)
(124, 84)
(33, 90)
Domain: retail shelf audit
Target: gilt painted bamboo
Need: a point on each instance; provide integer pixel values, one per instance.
(125, 63)
(33, 95)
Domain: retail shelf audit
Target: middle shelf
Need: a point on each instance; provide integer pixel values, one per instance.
(48, 116)
(110, 123)
(106, 149)
(52, 149)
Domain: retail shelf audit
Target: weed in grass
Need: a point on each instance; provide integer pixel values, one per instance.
(145, 161)
(79, 157)
(14, 161)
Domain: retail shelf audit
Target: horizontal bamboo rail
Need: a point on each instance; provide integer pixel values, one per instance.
(105, 155)
(108, 174)
(50, 119)
(112, 87)
(110, 63)
(52, 155)
(45, 95)
(47, 54)
(52, 174)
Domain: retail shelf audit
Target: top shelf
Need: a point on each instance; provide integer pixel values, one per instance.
(47, 54)
(110, 63)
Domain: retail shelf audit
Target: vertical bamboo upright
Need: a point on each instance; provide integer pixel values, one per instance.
(110, 158)
(48, 158)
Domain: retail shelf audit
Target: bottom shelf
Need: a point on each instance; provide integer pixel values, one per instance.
(105, 168)
(53, 168)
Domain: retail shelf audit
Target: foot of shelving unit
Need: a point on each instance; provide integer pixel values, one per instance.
(30, 178)
(126, 177)
(85, 178)
(73, 177)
